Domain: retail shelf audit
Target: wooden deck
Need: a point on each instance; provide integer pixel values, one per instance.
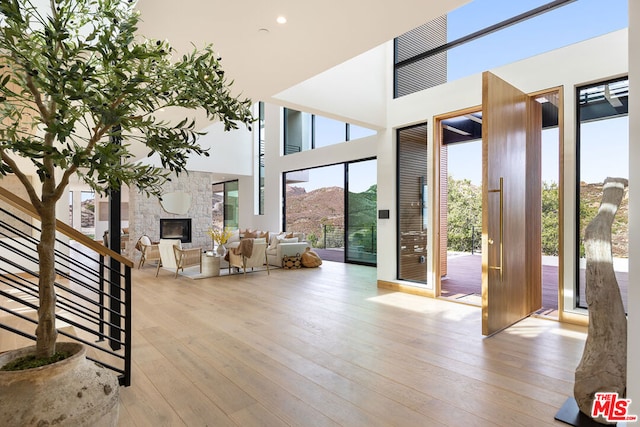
(464, 282)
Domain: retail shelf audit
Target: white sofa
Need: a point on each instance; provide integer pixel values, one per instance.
(278, 247)
(275, 254)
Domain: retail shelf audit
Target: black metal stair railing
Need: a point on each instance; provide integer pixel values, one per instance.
(93, 299)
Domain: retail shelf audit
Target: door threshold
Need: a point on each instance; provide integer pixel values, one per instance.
(547, 313)
(472, 299)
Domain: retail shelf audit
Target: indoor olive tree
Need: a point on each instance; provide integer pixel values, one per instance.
(77, 87)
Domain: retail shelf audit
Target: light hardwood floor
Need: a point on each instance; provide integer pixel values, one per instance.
(320, 347)
(326, 347)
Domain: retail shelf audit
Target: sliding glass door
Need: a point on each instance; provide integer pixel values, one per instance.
(336, 207)
(224, 211)
(361, 232)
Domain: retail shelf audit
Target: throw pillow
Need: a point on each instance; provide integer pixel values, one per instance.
(273, 240)
(144, 239)
(235, 236)
(250, 235)
(292, 240)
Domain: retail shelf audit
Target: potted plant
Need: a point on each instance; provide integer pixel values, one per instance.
(78, 86)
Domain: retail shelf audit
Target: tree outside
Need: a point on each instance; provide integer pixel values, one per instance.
(550, 219)
(465, 215)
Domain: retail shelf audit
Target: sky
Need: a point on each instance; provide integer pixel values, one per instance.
(607, 140)
(577, 21)
(603, 143)
(362, 175)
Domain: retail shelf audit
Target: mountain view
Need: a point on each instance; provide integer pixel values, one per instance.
(314, 211)
(591, 195)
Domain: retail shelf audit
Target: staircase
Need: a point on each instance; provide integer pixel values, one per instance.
(93, 288)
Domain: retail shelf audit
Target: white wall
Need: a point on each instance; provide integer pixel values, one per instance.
(633, 353)
(229, 152)
(19, 259)
(62, 213)
(354, 91)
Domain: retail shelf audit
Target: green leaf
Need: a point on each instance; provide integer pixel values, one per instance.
(94, 81)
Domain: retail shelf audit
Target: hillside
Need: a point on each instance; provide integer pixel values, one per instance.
(309, 211)
(591, 195)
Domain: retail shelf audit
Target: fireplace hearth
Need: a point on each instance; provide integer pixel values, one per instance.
(176, 228)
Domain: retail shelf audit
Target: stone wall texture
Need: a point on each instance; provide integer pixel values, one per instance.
(145, 212)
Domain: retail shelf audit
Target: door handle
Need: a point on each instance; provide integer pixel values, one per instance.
(500, 191)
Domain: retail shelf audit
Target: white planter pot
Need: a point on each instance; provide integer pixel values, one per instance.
(72, 392)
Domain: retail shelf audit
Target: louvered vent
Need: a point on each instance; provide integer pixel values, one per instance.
(425, 73)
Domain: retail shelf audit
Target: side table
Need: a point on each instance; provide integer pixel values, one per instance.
(210, 264)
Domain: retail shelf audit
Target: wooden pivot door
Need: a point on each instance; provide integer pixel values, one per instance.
(511, 205)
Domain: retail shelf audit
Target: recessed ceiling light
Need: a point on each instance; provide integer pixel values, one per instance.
(263, 30)
(281, 20)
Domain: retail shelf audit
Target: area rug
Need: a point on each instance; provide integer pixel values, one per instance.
(194, 272)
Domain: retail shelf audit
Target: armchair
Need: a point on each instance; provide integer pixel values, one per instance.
(257, 258)
(148, 251)
(172, 255)
(187, 258)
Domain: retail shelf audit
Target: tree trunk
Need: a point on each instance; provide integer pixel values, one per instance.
(46, 331)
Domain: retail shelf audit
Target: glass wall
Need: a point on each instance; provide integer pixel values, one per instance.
(88, 213)
(298, 131)
(413, 215)
(356, 132)
(225, 206)
(362, 198)
(304, 131)
(556, 27)
(71, 208)
(485, 34)
(260, 166)
(328, 131)
(314, 205)
(603, 151)
(336, 207)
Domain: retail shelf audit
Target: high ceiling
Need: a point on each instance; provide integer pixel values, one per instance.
(264, 57)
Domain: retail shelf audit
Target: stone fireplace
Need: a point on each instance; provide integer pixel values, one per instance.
(145, 212)
(176, 228)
